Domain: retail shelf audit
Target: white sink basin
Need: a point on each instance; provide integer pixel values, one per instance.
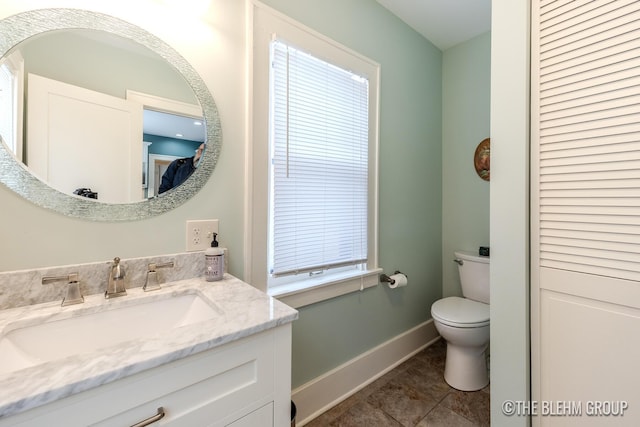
(88, 330)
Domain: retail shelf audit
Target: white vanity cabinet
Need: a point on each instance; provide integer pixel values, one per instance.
(244, 383)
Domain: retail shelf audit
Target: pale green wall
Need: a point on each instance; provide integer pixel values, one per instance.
(332, 332)
(466, 75)
(410, 226)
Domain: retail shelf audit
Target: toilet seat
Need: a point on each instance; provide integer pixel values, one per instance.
(460, 312)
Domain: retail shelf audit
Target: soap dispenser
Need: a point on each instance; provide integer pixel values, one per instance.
(213, 261)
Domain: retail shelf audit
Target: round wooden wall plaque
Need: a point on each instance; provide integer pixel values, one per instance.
(482, 160)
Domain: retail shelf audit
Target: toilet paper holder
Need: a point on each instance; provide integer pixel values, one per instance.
(384, 278)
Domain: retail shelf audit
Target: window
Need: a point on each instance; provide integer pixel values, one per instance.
(314, 164)
(318, 177)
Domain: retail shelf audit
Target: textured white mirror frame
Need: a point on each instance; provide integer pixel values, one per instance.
(14, 175)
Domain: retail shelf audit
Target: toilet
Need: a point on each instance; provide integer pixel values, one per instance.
(464, 324)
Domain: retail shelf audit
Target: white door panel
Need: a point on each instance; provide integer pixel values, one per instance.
(588, 357)
(79, 138)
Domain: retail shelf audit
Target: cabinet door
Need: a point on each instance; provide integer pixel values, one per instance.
(210, 388)
(262, 417)
(205, 389)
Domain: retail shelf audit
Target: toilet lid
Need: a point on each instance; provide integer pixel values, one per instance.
(460, 312)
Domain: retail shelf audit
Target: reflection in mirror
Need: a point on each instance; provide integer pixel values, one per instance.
(97, 106)
(85, 128)
(168, 138)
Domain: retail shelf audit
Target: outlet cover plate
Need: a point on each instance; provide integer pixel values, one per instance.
(200, 234)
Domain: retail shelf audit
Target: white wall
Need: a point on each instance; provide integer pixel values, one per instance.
(509, 207)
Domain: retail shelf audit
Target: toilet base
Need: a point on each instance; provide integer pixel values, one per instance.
(466, 367)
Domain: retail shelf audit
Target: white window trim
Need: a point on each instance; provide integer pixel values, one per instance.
(298, 295)
(264, 21)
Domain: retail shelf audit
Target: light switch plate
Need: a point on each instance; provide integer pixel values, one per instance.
(200, 234)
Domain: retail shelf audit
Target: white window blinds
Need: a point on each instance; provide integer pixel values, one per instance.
(319, 175)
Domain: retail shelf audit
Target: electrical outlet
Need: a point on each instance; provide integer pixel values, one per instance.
(200, 234)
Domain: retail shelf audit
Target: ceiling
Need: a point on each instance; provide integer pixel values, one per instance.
(445, 23)
(169, 125)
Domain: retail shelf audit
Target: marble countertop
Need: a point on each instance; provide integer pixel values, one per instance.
(243, 311)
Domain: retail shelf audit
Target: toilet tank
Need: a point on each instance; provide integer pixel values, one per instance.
(474, 275)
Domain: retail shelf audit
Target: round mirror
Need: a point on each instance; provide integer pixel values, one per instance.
(100, 108)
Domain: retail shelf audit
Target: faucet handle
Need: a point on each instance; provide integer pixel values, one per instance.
(151, 284)
(154, 266)
(73, 296)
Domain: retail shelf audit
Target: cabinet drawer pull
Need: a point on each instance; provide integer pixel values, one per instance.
(152, 419)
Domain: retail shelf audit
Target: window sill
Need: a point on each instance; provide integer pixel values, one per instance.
(299, 294)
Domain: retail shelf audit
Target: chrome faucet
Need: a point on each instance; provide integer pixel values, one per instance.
(115, 286)
(73, 296)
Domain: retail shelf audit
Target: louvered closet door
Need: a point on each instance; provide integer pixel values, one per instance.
(585, 222)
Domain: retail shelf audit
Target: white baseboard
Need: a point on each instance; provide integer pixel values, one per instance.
(331, 388)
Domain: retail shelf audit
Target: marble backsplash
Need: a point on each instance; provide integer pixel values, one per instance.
(24, 287)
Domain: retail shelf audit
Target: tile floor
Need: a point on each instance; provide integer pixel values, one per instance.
(413, 394)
